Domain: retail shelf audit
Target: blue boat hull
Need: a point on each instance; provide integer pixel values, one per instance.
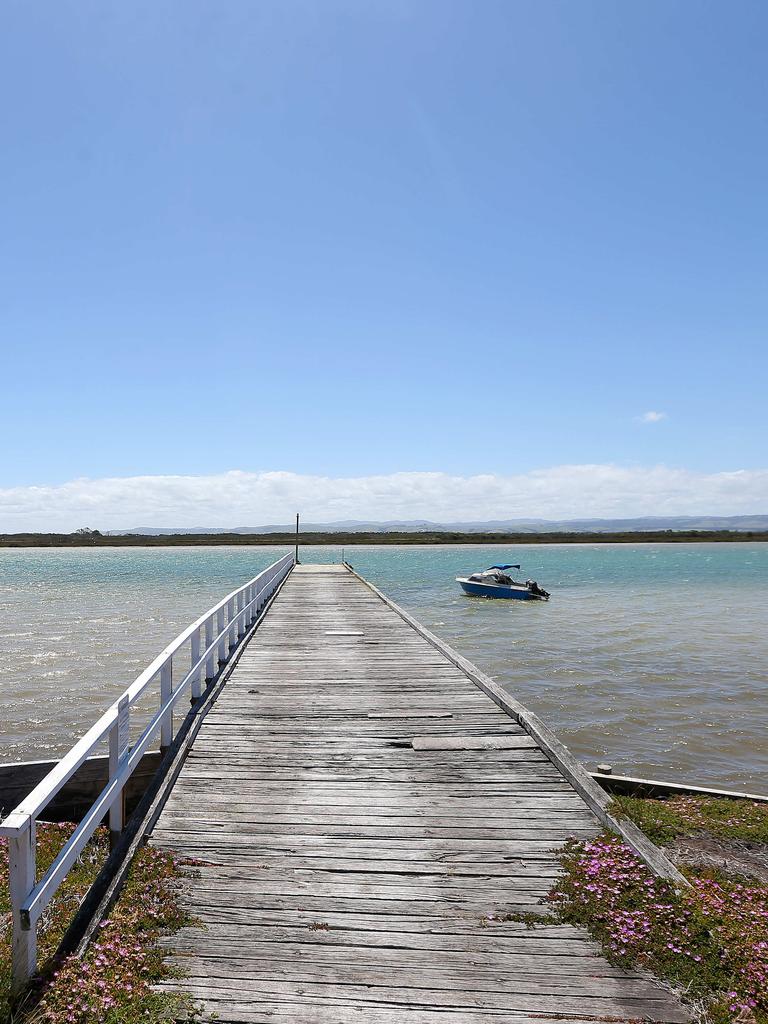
(488, 590)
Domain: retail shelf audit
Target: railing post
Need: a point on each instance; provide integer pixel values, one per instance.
(251, 611)
(240, 617)
(220, 622)
(231, 637)
(210, 667)
(166, 689)
(118, 743)
(21, 865)
(194, 655)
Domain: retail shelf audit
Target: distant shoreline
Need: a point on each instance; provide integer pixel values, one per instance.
(66, 540)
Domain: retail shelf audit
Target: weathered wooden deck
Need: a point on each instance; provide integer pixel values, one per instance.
(349, 877)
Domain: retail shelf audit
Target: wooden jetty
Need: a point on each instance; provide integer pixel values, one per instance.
(373, 820)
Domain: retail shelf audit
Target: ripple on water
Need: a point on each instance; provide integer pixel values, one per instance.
(651, 657)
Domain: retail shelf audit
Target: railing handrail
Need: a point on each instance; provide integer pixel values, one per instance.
(36, 801)
(225, 624)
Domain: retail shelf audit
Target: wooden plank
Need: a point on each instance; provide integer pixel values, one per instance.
(380, 871)
(454, 978)
(355, 930)
(234, 843)
(216, 815)
(410, 714)
(331, 995)
(303, 1011)
(463, 742)
(232, 932)
(484, 800)
(314, 947)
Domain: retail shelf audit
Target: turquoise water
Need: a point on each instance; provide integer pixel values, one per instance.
(650, 657)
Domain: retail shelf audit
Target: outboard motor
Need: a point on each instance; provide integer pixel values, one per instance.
(534, 588)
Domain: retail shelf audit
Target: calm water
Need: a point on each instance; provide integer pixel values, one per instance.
(651, 657)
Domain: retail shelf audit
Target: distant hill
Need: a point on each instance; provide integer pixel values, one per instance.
(639, 525)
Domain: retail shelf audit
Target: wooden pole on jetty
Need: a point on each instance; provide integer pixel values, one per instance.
(296, 552)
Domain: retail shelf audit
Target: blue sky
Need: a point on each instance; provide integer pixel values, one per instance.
(349, 240)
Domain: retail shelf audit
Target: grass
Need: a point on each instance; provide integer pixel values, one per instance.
(711, 940)
(666, 820)
(112, 983)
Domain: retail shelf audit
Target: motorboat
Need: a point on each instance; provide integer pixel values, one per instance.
(495, 582)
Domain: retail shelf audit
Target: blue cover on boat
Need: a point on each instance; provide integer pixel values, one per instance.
(505, 567)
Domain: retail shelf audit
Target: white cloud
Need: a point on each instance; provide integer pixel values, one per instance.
(652, 417)
(238, 498)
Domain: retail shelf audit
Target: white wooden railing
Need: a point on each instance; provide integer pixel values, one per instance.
(222, 628)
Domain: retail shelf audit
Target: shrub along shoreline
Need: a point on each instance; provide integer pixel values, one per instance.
(93, 538)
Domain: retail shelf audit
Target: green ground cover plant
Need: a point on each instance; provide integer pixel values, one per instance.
(112, 983)
(711, 940)
(665, 820)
